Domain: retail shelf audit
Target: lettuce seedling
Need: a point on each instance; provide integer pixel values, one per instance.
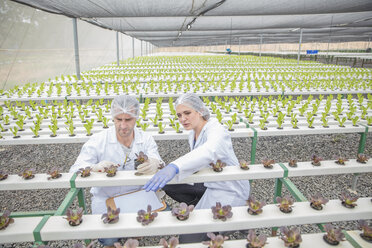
(333, 235)
(218, 166)
(54, 173)
(291, 237)
(317, 200)
(141, 158)
(14, 130)
(27, 173)
(255, 241)
(172, 242)
(5, 220)
(221, 212)
(243, 164)
(183, 211)
(229, 125)
(294, 121)
(74, 216)
(341, 121)
(268, 163)
(254, 206)
(348, 200)
(341, 161)
(112, 216)
(111, 170)
(3, 175)
(89, 126)
(146, 218)
(367, 230)
(362, 158)
(216, 240)
(161, 127)
(85, 172)
(316, 160)
(285, 203)
(292, 163)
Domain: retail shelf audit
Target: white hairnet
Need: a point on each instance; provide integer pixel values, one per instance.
(125, 104)
(193, 101)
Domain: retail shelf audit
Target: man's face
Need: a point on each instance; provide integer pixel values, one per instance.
(124, 125)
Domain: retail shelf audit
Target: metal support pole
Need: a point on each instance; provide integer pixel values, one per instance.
(239, 46)
(299, 48)
(117, 48)
(76, 46)
(141, 49)
(132, 47)
(260, 44)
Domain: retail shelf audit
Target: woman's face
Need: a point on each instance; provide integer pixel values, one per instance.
(188, 117)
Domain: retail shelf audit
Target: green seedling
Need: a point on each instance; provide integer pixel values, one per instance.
(341, 121)
(105, 121)
(144, 114)
(324, 120)
(229, 125)
(54, 129)
(172, 121)
(14, 131)
(177, 127)
(144, 126)
(219, 115)
(355, 120)
(294, 120)
(20, 123)
(89, 126)
(35, 130)
(369, 120)
(99, 115)
(234, 118)
(70, 128)
(280, 120)
(108, 106)
(161, 127)
(262, 125)
(82, 117)
(310, 122)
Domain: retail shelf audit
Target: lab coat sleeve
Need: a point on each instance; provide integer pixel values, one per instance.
(152, 148)
(87, 157)
(203, 155)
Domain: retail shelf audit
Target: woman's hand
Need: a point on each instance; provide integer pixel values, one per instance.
(161, 178)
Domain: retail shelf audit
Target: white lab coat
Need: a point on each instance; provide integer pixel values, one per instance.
(105, 146)
(213, 143)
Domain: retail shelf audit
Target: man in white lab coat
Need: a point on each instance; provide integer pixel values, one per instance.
(118, 145)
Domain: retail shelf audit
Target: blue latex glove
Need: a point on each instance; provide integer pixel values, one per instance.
(161, 178)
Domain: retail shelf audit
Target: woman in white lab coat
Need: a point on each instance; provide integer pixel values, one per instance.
(209, 141)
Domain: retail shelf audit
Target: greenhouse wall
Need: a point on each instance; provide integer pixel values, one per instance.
(36, 45)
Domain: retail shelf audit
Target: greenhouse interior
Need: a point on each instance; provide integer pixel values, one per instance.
(190, 123)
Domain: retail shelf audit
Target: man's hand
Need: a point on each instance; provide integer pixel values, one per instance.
(161, 178)
(100, 167)
(149, 167)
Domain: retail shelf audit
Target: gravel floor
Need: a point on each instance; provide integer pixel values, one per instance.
(42, 157)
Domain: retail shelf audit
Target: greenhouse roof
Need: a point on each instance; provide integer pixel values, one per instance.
(220, 22)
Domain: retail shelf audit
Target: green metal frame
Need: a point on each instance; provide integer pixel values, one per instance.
(352, 241)
(74, 192)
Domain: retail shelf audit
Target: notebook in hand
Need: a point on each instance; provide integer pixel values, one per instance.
(132, 202)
